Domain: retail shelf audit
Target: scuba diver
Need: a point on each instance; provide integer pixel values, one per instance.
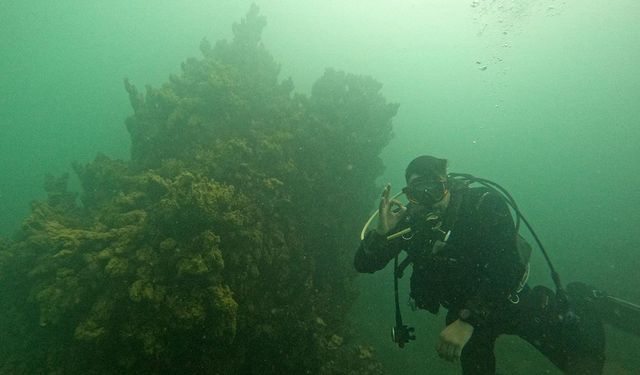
(467, 256)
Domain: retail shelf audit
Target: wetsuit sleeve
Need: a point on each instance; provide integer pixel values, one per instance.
(499, 268)
(374, 252)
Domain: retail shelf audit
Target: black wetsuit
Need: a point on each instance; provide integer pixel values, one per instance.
(478, 268)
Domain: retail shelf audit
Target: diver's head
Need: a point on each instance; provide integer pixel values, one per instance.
(426, 178)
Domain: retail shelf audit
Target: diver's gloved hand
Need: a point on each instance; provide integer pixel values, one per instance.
(388, 218)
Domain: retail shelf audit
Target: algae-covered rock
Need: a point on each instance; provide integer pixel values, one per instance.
(223, 246)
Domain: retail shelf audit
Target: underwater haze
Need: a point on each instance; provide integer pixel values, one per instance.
(541, 96)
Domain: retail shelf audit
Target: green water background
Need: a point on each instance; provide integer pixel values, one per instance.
(541, 96)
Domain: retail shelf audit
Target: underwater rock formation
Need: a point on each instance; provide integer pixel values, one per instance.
(223, 246)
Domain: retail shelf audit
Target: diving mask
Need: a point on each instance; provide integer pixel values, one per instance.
(425, 192)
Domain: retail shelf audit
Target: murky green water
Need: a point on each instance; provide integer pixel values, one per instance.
(541, 96)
